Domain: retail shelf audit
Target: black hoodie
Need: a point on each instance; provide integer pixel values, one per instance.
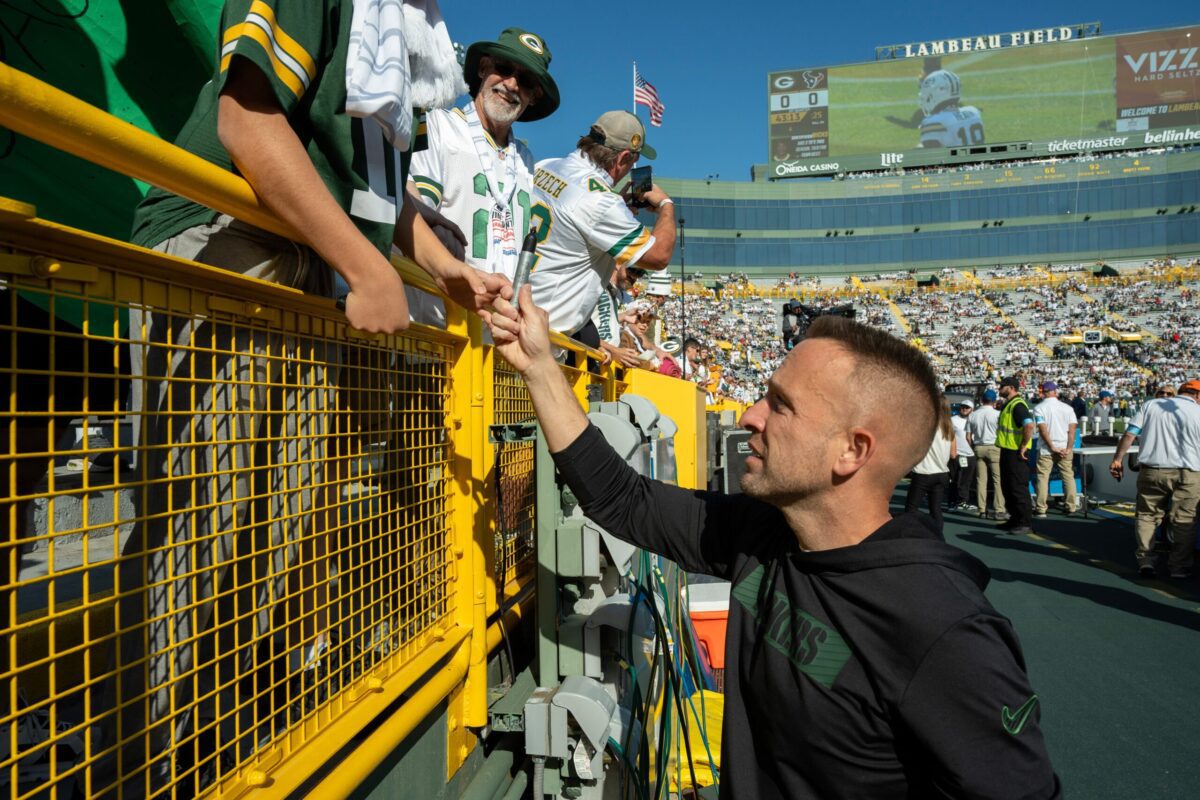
(873, 671)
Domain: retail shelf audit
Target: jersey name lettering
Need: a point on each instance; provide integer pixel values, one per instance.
(549, 183)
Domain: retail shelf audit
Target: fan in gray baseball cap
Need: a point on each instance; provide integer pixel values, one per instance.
(587, 229)
(621, 130)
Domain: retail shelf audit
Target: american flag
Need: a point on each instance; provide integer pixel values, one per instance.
(644, 94)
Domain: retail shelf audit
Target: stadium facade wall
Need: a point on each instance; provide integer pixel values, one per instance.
(1069, 211)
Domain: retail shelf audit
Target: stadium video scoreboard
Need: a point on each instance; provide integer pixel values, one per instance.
(799, 122)
(999, 96)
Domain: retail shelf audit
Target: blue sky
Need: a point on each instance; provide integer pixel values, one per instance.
(709, 60)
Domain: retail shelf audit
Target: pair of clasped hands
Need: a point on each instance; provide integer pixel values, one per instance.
(520, 329)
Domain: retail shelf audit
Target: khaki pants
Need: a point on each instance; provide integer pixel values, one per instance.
(1158, 486)
(1066, 468)
(988, 461)
(232, 422)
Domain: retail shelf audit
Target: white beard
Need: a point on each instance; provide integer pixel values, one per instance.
(497, 110)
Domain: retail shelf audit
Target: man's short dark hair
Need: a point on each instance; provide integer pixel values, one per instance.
(691, 342)
(601, 155)
(881, 355)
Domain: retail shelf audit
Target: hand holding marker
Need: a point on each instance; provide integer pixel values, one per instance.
(524, 263)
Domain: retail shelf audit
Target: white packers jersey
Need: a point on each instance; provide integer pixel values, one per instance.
(953, 127)
(584, 230)
(449, 178)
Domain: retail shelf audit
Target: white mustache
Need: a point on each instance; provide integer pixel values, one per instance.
(507, 96)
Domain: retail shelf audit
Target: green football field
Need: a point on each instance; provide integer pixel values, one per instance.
(1024, 94)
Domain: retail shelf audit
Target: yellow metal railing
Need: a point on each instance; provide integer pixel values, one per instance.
(235, 530)
(227, 523)
(514, 486)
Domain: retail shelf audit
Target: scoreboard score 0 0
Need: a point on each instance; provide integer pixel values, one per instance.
(794, 100)
(799, 114)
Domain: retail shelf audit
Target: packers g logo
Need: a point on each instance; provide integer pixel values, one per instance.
(785, 82)
(533, 43)
(635, 141)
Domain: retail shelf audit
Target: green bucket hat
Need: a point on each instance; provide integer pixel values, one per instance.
(529, 52)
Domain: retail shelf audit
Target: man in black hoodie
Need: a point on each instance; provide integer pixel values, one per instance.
(863, 659)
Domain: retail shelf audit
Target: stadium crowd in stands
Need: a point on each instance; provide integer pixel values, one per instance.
(975, 331)
(740, 342)
(883, 276)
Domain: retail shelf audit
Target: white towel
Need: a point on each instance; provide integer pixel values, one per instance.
(437, 76)
(399, 56)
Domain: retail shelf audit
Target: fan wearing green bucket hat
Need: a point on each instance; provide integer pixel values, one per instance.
(529, 55)
(475, 179)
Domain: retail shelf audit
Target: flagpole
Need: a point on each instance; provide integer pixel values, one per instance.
(634, 109)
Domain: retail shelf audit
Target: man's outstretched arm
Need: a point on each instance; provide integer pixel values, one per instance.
(695, 529)
(524, 342)
(255, 131)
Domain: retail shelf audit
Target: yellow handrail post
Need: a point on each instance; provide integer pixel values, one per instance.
(610, 382)
(494, 591)
(465, 509)
(476, 684)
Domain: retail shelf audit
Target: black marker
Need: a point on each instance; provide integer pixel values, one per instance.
(525, 263)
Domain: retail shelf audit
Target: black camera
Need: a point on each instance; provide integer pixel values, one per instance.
(804, 316)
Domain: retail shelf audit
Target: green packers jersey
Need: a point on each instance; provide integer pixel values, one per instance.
(300, 46)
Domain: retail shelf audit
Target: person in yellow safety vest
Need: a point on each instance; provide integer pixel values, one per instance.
(1014, 433)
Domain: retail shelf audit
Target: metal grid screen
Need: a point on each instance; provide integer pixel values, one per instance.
(219, 523)
(515, 488)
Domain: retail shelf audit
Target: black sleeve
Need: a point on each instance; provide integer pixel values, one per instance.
(975, 716)
(1023, 415)
(700, 531)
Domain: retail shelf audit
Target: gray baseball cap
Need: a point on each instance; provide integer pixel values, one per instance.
(621, 130)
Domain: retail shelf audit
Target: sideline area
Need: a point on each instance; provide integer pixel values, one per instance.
(1112, 655)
